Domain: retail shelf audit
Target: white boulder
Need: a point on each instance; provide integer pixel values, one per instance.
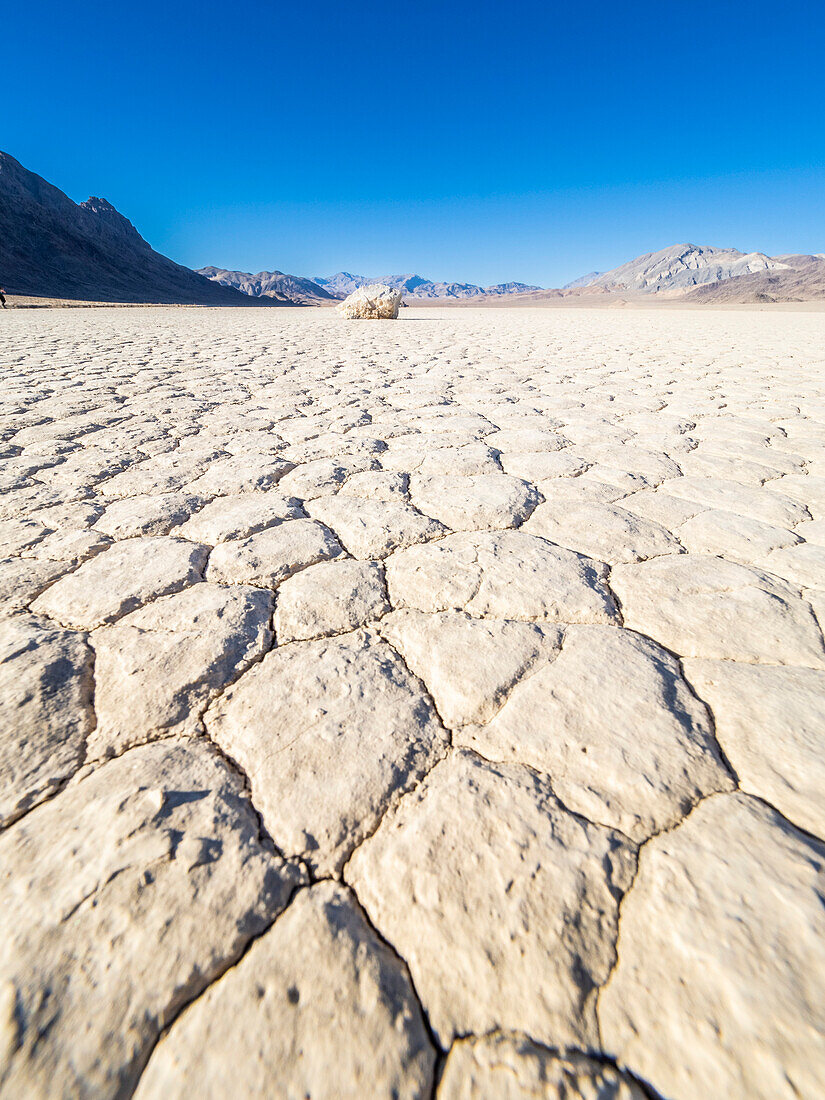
(375, 301)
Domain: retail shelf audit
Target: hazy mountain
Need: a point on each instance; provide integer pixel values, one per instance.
(342, 283)
(583, 280)
(801, 278)
(271, 284)
(322, 288)
(415, 287)
(501, 289)
(411, 286)
(680, 267)
(52, 247)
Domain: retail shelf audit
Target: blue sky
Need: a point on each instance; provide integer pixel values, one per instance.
(480, 142)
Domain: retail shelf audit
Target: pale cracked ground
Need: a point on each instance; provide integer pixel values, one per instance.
(419, 708)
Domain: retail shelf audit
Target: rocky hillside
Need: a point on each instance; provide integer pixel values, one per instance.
(680, 267)
(583, 280)
(415, 287)
(272, 284)
(501, 290)
(800, 279)
(342, 283)
(321, 288)
(51, 247)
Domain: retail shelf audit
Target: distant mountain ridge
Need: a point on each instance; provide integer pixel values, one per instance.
(322, 288)
(801, 278)
(342, 283)
(679, 267)
(414, 286)
(583, 280)
(52, 247)
(271, 284)
(678, 271)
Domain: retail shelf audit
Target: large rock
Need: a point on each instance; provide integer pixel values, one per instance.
(770, 722)
(270, 556)
(376, 302)
(510, 1067)
(122, 899)
(702, 606)
(46, 714)
(502, 575)
(617, 729)
(719, 986)
(121, 579)
(157, 669)
(436, 648)
(330, 733)
(503, 904)
(318, 1007)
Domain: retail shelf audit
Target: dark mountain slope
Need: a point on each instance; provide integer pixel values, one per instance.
(52, 247)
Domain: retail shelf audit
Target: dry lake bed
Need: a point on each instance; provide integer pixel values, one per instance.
(399, 709)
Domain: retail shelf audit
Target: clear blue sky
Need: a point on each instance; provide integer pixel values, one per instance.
(472, 141)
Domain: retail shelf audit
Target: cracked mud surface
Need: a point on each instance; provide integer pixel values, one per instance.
(415, 709)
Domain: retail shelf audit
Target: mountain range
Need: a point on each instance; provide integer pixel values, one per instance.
(703, 273)
(272, 284)
(323, 288)
(688, 272)
(51, 247)
(801, 278)
(679, 267)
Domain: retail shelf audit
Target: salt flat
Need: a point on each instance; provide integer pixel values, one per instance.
(407, 706)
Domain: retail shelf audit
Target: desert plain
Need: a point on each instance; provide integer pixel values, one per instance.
(419, 708)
